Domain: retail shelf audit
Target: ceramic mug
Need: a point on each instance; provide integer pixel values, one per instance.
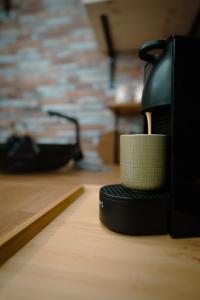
(143, 161)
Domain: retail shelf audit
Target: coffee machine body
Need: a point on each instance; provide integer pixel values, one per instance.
(172, 93)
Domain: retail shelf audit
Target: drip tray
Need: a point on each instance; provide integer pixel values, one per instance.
(134, 212)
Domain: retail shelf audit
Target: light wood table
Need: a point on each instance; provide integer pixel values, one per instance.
(65, 176)
(76, 257)
(25, 209)
(29, 202)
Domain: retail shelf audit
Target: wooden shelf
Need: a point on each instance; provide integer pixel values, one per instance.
(125, 109)
(134, 22)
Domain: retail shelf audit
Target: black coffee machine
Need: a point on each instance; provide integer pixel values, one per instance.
(172, 93)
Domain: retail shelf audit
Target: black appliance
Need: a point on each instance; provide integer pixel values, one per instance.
(171, 92)
(22, 154)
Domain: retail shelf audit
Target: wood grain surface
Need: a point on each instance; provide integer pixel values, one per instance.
(25, 209)
(125, 109)
(76, 257)
(133, 23)
(65, 176)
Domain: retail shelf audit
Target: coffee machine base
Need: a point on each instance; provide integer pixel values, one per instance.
(134, 212)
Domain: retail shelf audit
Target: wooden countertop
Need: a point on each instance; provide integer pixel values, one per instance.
(28, 203)
(76, 257)
(65, 176)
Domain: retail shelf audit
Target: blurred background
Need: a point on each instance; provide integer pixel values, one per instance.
(49, 60)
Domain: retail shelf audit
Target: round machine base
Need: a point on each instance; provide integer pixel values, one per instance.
(134, 212)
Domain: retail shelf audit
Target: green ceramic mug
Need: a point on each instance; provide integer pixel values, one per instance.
(143, 161)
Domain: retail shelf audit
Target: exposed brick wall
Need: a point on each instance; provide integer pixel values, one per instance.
(49, 60)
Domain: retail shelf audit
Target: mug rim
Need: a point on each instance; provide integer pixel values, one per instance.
(143, 134)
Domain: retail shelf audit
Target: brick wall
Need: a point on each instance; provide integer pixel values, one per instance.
(49, 60)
